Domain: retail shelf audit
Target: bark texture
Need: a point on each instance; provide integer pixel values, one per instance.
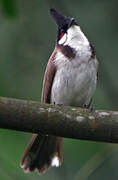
(69, 122)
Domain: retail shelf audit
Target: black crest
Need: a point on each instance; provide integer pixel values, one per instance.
(63, 22)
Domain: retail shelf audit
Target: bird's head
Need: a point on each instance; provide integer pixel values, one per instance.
(69, 31)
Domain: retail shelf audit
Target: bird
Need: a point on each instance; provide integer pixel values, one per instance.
(70, 79)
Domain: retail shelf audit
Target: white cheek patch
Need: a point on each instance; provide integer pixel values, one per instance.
(63, 39)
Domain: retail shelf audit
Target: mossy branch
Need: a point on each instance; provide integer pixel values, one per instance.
(69, 122)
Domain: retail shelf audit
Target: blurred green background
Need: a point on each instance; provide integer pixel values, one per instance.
(27, 39)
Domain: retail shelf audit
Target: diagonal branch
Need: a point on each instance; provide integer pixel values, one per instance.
(70, 122)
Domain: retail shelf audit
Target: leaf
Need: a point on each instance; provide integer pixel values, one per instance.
(9, 8)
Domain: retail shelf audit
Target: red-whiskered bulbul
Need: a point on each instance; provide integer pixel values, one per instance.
(70, 79)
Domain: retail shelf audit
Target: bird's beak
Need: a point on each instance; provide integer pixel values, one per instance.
(60, 19)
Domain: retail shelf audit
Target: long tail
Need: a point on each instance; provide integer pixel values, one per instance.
(42, 152)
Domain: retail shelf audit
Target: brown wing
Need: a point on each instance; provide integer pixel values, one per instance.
(48, 78)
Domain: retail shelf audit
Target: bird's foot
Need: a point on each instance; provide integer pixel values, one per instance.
(59, 104)
(87, 106)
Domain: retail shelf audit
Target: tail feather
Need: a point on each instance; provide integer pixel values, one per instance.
(42, 152)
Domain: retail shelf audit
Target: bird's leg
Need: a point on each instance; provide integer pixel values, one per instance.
(59, 104)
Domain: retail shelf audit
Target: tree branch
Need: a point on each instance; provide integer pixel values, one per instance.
(70, 122)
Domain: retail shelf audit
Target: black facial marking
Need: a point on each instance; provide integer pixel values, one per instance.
(92, 51)
(67, 51)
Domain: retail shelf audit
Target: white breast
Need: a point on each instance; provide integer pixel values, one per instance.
(75, 80)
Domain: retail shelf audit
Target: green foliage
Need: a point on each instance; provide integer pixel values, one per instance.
(9, 8)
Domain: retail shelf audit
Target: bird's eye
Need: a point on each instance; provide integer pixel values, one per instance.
(61, 35)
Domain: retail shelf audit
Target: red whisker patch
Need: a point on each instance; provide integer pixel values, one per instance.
(61, 35)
